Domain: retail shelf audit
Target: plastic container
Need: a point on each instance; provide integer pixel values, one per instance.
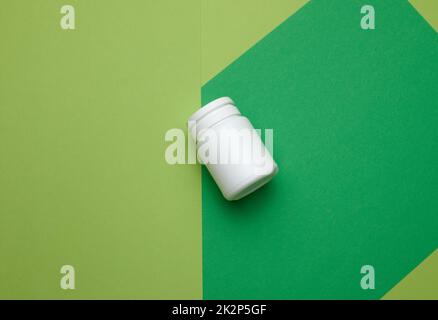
(231, 149)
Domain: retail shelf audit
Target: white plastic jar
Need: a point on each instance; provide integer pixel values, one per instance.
(231, 149)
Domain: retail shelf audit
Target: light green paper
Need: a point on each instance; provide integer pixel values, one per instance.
(420, 284)
(230, 27)
(83, 180)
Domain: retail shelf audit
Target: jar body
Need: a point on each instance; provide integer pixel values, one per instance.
(233, 152)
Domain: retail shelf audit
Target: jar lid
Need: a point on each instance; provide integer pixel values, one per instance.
(213, 105)
(211, 114)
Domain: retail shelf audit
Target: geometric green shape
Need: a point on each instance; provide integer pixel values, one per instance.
(354, 114)
(420, 284)
(231, 27)
(428, 9)
(83, 180)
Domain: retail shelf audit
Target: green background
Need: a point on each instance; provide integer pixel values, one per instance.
(355, 118)
(83, 180)
(247, 22)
